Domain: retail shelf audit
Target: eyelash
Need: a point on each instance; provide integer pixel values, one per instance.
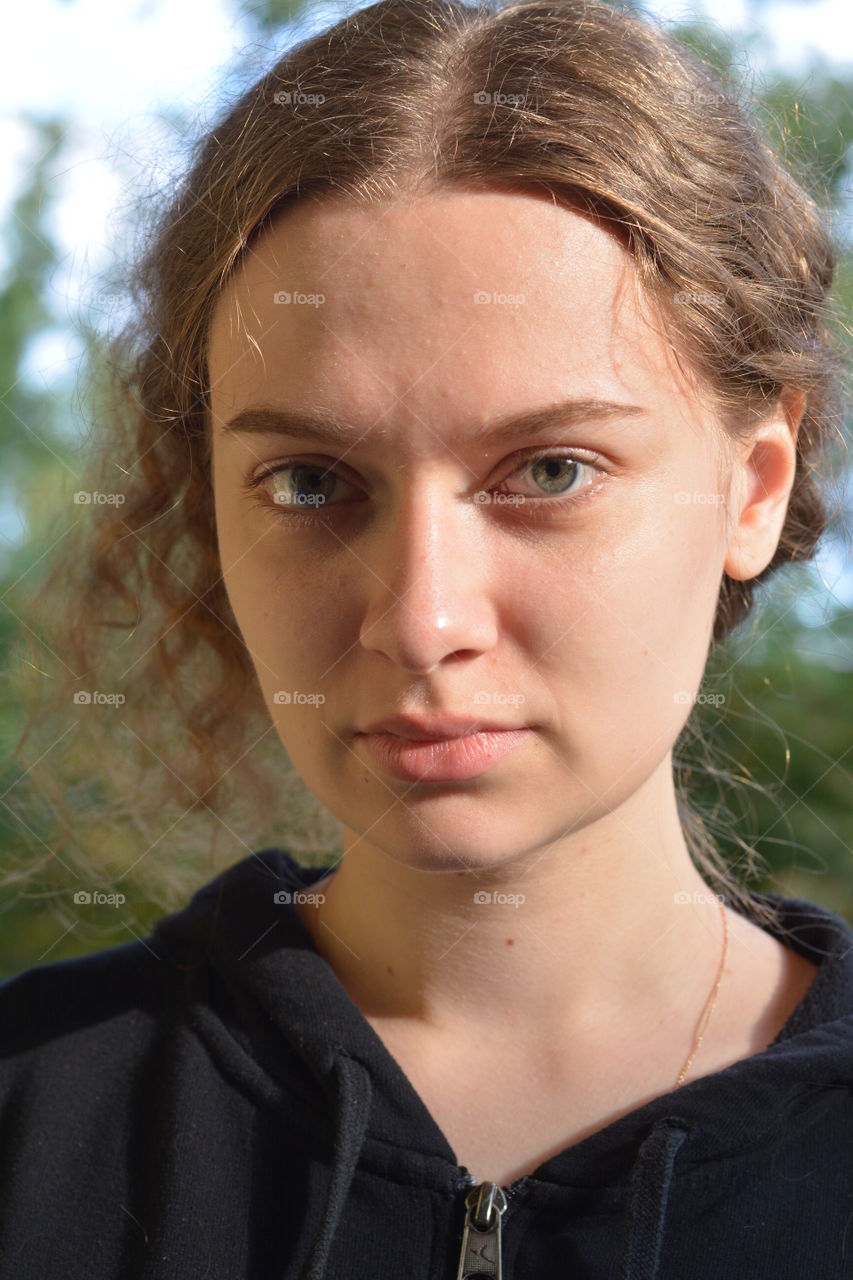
(251, 487)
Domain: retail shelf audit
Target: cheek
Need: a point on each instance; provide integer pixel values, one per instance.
(623, 628)
(289, 613)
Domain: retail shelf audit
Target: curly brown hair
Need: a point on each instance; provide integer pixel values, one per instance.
(572, 97)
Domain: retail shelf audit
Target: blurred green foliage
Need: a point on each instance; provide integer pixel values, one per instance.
(785, 724)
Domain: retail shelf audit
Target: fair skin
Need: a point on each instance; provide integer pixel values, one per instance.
(408, 594)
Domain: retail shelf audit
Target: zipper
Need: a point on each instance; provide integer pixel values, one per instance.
(485, 1203)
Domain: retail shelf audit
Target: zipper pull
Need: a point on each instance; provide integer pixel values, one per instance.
(481, 1239)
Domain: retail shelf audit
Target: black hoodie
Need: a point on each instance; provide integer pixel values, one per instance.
(208, 1103)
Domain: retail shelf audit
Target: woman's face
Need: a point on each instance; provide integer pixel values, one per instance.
(577, 598)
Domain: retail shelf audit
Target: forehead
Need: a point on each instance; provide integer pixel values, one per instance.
(456, 302)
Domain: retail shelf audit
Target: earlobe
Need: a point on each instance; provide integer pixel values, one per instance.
(762, 480)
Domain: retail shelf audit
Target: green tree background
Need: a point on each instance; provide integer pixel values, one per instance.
(785, 727)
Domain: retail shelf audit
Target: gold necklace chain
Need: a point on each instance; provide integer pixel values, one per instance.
(713, 999)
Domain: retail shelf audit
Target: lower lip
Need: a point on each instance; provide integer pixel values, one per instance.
(447, 760)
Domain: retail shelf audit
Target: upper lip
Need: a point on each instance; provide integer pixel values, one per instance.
(433, 728)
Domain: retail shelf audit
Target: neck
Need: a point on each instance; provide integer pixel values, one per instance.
(616, 928)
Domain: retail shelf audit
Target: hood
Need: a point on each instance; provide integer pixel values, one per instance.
(278, 1020)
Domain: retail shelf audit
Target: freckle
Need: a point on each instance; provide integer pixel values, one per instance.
(510, 942)
(390, 970)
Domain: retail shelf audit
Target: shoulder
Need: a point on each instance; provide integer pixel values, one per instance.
(70, 1013)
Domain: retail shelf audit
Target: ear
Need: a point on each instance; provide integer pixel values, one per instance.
(761, 482)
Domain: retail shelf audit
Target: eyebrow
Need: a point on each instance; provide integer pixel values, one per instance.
(264, 420)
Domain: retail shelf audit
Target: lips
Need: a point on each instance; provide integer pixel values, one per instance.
(438, 760)
(435, 728)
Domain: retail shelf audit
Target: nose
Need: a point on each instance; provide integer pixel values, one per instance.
(429, 573)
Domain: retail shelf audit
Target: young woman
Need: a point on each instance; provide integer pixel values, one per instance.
(484, 370)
